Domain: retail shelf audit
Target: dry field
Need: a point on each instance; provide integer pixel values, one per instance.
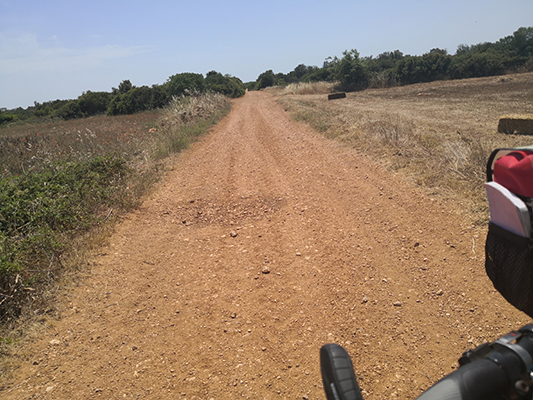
(30, 146)
(438, 134)
(147, 135)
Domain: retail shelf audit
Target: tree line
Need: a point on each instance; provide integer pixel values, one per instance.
(129, 99)
(513, 53)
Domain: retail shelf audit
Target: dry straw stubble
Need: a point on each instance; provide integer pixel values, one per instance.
(438, 134)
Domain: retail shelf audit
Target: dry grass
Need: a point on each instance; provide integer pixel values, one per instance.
(310, 88)
(439, 134)
(186, 118)
(185, 110)
(35, 146)
(137, 137)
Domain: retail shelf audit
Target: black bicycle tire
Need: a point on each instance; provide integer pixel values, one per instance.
(338, 375)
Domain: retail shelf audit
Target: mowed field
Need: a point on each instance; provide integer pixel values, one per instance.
(437, 134)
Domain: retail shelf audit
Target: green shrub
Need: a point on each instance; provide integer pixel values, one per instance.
(138, 99)
(475, 65)
(5, 118)
(39, 210)
(87, 105)
(46, 109)
(266, 79)
(250, 85)
(133, 101)
(69, 110)
(187, 82)
(351, 72)
(94, 103)
(227, 85)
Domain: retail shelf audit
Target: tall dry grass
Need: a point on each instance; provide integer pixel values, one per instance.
(439, 135)
(35, 146)
(188, 109)
(310, 88)
(186, 118)
(139, 137)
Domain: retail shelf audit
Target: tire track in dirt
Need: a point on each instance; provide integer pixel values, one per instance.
(265, 242)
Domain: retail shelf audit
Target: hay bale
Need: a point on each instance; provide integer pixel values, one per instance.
(516, 124)
(337, 96)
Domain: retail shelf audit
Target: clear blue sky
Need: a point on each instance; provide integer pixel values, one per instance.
(57, 49)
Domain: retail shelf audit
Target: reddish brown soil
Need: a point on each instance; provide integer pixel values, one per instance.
(265, 242)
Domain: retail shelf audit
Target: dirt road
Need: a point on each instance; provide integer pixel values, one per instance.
(265, 242)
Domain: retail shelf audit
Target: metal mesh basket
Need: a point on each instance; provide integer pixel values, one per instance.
(509, 265)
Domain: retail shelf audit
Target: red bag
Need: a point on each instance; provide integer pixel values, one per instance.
(515, 172)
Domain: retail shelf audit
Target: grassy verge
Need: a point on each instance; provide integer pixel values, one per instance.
(438, 135)
(63, 183)
(186, 118)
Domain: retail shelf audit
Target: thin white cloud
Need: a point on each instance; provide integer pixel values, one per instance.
(24, 54)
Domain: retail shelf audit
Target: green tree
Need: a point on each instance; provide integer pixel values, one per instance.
(436, 65)
(125, 86)
(266, 79)
(252, 85)
(523, 41)
(350, 71)
(321, 75)
(5, 117)
(426, 68)
(133, 101)
(94, 103)
(181, 84)
(300, 71)
(299, 74)
(384, 61)
(159, 96)
(69, 110)
(225, 84)
(476, 64)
